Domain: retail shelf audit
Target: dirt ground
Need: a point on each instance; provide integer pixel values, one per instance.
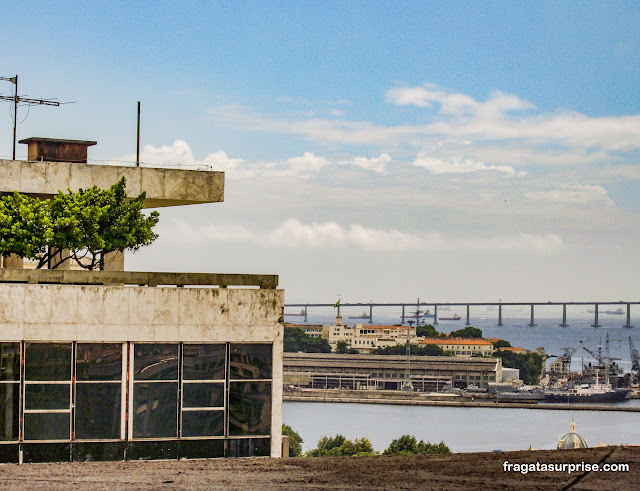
(458, 471)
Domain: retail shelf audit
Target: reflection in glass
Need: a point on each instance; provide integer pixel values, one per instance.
(156, 361)
(47, 396)
(203, 361)
(98, 361)
(98, 411)
(9, 361)
(250, 361)
(48, 361)
(9, 411)
(155, 410)
(46, 426)
(249, 408)
(202, 423)
(203, 395)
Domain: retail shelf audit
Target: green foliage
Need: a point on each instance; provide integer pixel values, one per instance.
(295, 441)
(530, 365)
(427, 331)
(417, 350)
(339, 446)
(501, 343)
(343, 348)
(296, 340)
(408, 445)
(467, 332)
(88, 223)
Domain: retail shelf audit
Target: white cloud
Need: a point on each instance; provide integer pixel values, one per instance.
(460, 166)
(292, 233)
(575, 193)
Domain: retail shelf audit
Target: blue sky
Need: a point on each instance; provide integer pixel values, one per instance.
(448, 150)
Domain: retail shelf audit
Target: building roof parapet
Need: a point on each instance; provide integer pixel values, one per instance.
(71, 277)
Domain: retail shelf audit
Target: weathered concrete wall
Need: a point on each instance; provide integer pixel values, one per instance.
(164, 187)
(118, 313)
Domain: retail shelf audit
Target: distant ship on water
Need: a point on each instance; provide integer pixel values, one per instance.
(363, 316)
(301, 314)
(610, 312)
(455, 317)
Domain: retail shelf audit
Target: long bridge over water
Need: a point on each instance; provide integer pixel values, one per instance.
(418, 314)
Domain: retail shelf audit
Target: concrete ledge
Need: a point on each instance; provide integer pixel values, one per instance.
(36, 276)
(164, 187)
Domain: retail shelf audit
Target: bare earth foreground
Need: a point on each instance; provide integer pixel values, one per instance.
(458, 471)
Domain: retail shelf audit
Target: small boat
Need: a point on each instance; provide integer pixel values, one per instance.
(455, 317)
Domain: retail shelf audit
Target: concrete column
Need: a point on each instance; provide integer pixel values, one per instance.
(628, 324)
(500, 314)
(532, 323)
(114, 261)
(305, 313)
(564, 316)
(435, 315)
(57, 255)
(403, 314)
(467, 323)
(13, 262)
(595, 317)
(370, 314)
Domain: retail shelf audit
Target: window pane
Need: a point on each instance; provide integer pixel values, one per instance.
(99, 361)
(156, 362)
(250, 361)
(249, 408)
(202, 395)
(203, 423)
(47, 396)
(203, 361)
(46, 426)
(9, 411)
(9, 361)
(98, 411)
(155, 410)
(48, 361)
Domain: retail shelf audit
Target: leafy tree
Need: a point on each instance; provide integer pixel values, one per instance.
(343, 348)
(467, 332)
(339, 446)
(417, 350)
(295, 441)
(296, 340)
(89, 224)
(408, 445)
(529, 364)
(501, 343)
(427, 331)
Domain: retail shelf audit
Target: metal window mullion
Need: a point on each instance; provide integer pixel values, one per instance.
(124, 393)
(21, 404)
(227, 371)
(180, 392)
(72, 423)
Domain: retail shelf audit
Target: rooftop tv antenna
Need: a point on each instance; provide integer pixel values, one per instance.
(18, 100)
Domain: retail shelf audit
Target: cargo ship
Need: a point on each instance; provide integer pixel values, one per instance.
(586, 393)
(455, 317)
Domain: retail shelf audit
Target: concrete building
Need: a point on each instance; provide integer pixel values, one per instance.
(115, 365)
(386, 372)
(367, 337)
(462, 347)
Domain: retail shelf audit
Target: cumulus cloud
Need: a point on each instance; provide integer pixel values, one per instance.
(575, 193)
(461, 166)
(292, 233)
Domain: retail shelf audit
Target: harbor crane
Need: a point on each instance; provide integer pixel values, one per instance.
(635, 360)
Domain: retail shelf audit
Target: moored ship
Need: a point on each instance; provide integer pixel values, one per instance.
(586, 393)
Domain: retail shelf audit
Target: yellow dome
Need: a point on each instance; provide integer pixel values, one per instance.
(572, 440)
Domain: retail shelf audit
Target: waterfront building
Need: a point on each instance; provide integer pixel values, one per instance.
(386, 372)
(312, 330)
(462, 347)
(367, 337)
(123, 365)
(572, 440)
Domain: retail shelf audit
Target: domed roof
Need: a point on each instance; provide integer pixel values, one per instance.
(572, 440)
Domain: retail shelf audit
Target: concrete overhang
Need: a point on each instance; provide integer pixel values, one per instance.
(164, 187)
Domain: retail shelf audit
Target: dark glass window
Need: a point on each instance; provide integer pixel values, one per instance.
(9, 361)
(202, 423)
(47, 396)
(46, 426)
(203, 361)
(9, 411)
(98, 411)
(203, 395)
(250, 361)
(155, 410)
(48, 362)
(156, 361)
(249, 408)
(99, 361)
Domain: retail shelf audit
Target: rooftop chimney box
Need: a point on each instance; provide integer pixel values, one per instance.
(56, 150)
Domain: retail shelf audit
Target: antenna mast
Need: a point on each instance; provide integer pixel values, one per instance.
(16, 99)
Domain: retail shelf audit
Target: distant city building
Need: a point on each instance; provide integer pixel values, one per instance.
(312, 330)
(462, 347)
(365, 337)
(515, 349)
